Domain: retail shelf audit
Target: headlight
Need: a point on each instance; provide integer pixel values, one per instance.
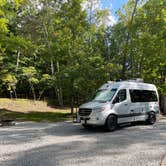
(100, 109)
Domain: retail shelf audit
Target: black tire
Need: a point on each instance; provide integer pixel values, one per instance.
(111, 123)
(151, 118)
(86, 126)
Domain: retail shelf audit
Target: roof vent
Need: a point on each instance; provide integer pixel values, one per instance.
(110, 82)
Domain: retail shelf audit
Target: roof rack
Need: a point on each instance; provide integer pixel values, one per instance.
(136, 80)
(130, 80)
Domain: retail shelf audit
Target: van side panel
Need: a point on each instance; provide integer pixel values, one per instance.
(142, 102)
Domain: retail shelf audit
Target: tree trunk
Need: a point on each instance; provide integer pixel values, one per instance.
(164, 106)
(90, 13)
(123, 74)
(140, 68)
(11, 97)
(72, 105)
(128, 36)
(59, 89)
(15, 93)
(52, 67)
(33, 91)
(40, 94)
(46, 35)
(59, 95)
(72, 96)
(90, 22)
(108, 48)
(18, 60)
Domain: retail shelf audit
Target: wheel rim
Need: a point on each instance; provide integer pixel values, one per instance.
(112, 123)
(152, 118)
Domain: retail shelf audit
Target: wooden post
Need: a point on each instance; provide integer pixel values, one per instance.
(164, 105)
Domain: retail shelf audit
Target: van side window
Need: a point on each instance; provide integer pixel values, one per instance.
(121, 96)
(143, 96)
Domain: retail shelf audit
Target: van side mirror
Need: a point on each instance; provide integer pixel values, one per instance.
(116, 100)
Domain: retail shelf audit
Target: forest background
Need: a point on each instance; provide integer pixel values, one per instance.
(63, 50)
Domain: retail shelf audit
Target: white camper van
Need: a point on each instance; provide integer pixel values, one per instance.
(121, 102)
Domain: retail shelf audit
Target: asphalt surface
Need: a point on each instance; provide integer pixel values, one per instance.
(68, 144)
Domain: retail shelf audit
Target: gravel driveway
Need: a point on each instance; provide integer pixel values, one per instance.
(65, 143)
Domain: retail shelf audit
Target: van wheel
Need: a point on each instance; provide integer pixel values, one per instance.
(111, 123)
(151, 118)
(86, 126)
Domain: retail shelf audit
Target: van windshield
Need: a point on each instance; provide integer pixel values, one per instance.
(105, 95)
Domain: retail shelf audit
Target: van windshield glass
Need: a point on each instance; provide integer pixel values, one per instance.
(105, 95)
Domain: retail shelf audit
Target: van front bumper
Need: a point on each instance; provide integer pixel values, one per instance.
(95, 119)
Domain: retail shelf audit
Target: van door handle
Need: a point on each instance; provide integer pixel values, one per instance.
(125, 104)
(132, 111)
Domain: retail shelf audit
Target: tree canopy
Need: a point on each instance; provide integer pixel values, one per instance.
(64, 50)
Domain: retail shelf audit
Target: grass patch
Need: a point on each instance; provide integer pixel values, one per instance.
(27, 110)
(35, 116)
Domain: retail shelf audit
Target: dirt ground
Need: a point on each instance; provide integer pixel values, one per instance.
(25, 106)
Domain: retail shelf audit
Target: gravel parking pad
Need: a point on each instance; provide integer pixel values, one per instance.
(68, 144)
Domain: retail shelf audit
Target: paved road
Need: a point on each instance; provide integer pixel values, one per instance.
(67, 144)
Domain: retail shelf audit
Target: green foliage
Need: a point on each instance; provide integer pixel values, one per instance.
(57, 50)
(9, 81)
(29, 72)
(146, 49)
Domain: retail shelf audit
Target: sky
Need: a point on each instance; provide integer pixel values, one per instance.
(113, 5)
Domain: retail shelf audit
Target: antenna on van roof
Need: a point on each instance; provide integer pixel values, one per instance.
(136, 80)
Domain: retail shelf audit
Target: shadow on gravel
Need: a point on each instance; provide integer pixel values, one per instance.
(78, 145)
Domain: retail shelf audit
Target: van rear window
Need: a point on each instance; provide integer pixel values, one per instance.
(142, 96)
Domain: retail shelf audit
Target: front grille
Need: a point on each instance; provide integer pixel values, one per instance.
(84, 111)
